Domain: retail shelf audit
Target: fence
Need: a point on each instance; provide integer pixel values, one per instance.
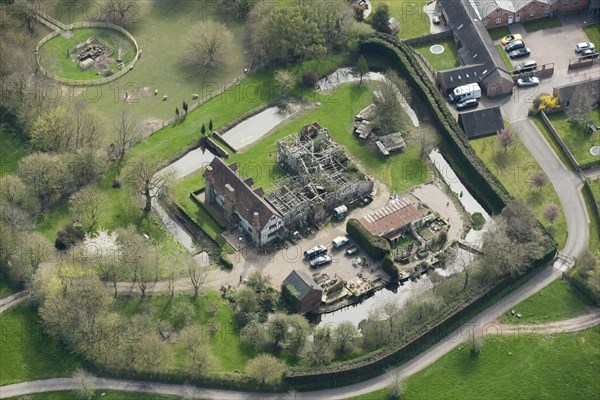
(430, 38)
(577, 63)
(559, 140)
(75, 82)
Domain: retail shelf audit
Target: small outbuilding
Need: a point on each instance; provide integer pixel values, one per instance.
(301, 291)
(481, 123)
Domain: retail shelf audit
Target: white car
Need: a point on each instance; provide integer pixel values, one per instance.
(584, 46)
(320, 261)
(528, 81)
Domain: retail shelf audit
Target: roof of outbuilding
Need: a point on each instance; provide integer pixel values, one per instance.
(302, 282)
(396, 215)
(481, 123)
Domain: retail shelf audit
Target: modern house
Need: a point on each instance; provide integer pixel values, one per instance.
(391, 221)
(498, 13)
(477, 54)
(481, 123)
(301, 291)
(565, 93)
(242, 206)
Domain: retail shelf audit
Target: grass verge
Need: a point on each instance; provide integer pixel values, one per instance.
(553, 143)
(499, 33)
(504, 57)
(99, 394)
(593, 33)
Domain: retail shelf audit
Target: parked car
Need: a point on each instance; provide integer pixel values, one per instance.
(517, 44)
(525, 66)
(352, 250)
(469, 103)
(584, 46)
(314, 252)
(340, 242)
(510, 38)
(522, 52)
(589, 54)
(528, 81)
(320, 261)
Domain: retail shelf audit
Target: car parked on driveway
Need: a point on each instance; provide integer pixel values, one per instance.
(314, 252)
(528, 81)
(589, 54)
(522, 52)
(470, 103)
(352, 250)
(320, 261)
(510, 38)
(517, 44)
(584, 46)
(525, 67)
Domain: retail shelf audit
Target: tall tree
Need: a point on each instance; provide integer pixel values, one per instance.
(46, 175)
(84, 381)
(147, 269)
(143, 177)
(581, 104)
(344, 333)
(86, 203)
(361, 68)
(197, 273)
(209, 46)
(126, 133)
(380, 17)
(122, 12)
(210, 125)
(265, 369)
(551, 213)
(505, 138)
(539, 180)
(152, 354)
(203, 130)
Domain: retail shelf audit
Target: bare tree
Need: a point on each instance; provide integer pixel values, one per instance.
(198, 274)
(391, 309)
(209, 45)
(266, 369)
(551, 213)
(505, 138)
(152, 354)
(143, 177)
(121, 11)
(146, 270)
(396, 385)
(85, 382)
(581, 104)
(86, 203)
(344, 333)
(539, 180)
(126, 133)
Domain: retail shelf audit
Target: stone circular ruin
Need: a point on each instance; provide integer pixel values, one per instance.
(595, 151)
(436, 49)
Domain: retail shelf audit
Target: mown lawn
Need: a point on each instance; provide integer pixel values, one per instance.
(440, 62)
(563, 366)
(555, 302)
(499, 33)
(98, 394)
(574, 136)
(414, 22)
(505, 57)
(594, 245)
(26, 352)
(514, 169)
(541, 24)
(12, 146)
(553, 143)
(593, 33)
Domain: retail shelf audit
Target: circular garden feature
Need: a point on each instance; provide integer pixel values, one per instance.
(87, 54)
(436, 49)
(595, 151)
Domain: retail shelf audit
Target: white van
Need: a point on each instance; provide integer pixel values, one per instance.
(339, 242)
(465, 92)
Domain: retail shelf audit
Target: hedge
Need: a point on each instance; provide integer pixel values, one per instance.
(583, 285)
(459, 153)
(390, 268)
(374, 246)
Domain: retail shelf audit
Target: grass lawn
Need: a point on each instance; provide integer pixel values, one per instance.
(594, 244)
(555, 302)
(448, 59)
(514, 169)
(54, 53)
(574, 136)
(98, 394)
(499, 33)
(414, 22)
(12, 146)
(505, 57)
(593, 33)
(553, 143)
(27, 353)
(561, 366)
(541, 24)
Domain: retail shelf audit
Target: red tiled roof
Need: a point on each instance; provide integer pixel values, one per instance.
(396, 215)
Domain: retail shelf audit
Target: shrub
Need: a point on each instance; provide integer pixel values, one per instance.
(68, 236)
(390, 268)
(225, 260)
(310, 79)
(478, 221)
(374, 246)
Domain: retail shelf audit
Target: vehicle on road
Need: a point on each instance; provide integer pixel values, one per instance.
(466, 104)
(517, 44)
(584, 46)
(320, 261)
(522, 52)
(525, 67)
(340, 242)
(314, 252)
(352, 250)
(510, 38)
(528, 81)
(465, 92)
(589, 54)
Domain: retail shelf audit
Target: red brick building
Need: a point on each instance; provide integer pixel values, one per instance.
(498, 13)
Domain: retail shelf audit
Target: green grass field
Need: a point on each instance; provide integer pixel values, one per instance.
(414, 22)
(54, 53)
(12, 146)
(505, 57)
(541, 24)
(537, 367)
(594, 245)
(593, 33)
(499, 33)
(553, 143)
(27, 353)
(555, 302)
(514, 169)
(448, 59)
(574, 136)
(98, 394)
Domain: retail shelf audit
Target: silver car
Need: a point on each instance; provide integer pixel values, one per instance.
(320, 261)
(584, 46)
(528, 81)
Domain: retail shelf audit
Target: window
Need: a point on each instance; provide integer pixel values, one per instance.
(565, 3)
(568, 103)
(498, 20)
(532, 13)
(575, 2)
(547, 10)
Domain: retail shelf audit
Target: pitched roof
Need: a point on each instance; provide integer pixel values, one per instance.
(455, 77)
(247, 200)
(302, 282)
(396, 215)
(481, 123)
(486, 7)
(565, 93)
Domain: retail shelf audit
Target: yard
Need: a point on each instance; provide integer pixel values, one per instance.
(514, 168)
(555, 302)
(440, 62)
(542, 24)
(563, 366)
(499, 33)
(414, 22)
(593, 33)
(574, 136)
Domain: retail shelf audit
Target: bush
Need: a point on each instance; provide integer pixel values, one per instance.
(374, 246)
(225, 260)
(390, 268)
(478, 221)
(68, 236)
(310, 79)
